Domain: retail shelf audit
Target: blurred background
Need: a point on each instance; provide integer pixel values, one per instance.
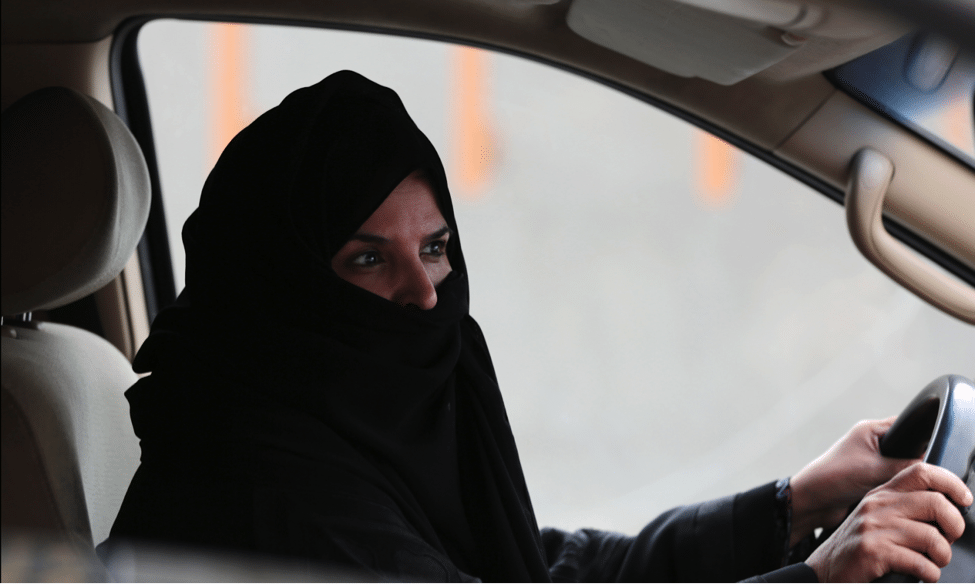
(671, 320)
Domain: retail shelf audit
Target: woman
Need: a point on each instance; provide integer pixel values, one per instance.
(319, 390)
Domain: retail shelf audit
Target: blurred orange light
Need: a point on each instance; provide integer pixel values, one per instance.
(473, 151)
(958, 127)
(717, 173)
(227, 86)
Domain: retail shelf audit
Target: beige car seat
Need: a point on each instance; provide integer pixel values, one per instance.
(75, 201)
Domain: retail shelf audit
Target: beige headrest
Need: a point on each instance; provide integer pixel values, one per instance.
(75, 199)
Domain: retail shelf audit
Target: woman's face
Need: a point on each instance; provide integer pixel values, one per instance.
(399, 253)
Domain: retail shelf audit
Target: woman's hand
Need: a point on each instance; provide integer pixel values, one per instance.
(824, 491)
(906, 526)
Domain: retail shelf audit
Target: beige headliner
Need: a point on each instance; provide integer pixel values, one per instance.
(781, 111)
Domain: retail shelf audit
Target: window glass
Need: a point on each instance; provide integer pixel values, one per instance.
(670, 319)
(923, 81)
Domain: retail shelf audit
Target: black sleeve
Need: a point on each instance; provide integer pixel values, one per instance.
(800, 572)
(727, 539)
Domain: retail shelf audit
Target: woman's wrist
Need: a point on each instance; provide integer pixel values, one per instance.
(806, 514)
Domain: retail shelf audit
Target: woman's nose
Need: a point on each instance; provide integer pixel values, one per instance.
(416, 287)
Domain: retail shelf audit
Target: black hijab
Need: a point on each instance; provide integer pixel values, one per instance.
(412, 394)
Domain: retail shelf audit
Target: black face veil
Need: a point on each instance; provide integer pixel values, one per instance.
(410, 397)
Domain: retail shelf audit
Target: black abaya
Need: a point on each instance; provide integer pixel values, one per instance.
(292, 413)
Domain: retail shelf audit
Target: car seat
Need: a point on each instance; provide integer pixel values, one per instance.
(75, 201)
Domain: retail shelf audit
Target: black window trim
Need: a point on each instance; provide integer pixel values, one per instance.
(131, 104)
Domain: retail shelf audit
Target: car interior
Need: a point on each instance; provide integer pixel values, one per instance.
(798, 85)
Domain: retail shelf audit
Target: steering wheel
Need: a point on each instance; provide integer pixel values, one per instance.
(940, 424)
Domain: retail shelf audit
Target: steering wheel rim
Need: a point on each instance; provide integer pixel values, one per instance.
(940, 424)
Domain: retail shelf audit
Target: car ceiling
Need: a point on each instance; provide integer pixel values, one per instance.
(831, 32)
(766, 112)
(540, 28)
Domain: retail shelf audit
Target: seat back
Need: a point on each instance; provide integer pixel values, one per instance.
(75, 201)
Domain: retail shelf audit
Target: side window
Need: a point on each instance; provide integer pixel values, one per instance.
(670, 319)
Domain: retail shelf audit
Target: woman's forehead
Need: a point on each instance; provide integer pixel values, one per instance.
(411, 208)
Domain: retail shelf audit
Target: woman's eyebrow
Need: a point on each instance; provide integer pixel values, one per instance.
(440, 233)
(370, 238)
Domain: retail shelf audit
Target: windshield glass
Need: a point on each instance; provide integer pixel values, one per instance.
(924, 82)
(670, 319)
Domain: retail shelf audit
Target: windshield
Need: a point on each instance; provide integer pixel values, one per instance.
(670, 318)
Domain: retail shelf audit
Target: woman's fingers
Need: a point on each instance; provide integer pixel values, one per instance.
(929, 507)
(923, 538)
(927, 477)
(941, 512)
(907, 561)
(906, 525)
(866, 547)
(823, 491)
(878, 427)
(934, 495)
(920, 515)
(889, 522)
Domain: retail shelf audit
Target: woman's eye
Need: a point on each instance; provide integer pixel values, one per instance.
(436, 248)
(366, 260)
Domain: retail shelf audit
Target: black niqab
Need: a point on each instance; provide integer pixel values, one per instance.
(410, 396)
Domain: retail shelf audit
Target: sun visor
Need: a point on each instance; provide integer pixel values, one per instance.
(680, 38)
(723, 41)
